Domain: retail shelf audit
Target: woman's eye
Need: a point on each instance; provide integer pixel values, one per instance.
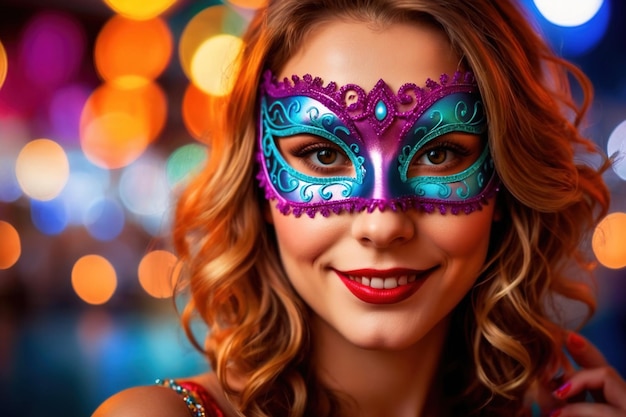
(441, 155)
(436, 156)
(446, 156)
(326, 156)
(324, 159)
(315, 156)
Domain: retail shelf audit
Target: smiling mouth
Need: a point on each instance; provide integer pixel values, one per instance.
(383, 283)
(383, 287)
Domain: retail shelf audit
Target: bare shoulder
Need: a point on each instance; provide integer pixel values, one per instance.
(154, 401)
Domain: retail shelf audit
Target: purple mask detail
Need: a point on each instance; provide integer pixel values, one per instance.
(380, 132)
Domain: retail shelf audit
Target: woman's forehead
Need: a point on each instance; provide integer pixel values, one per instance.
(354, 52)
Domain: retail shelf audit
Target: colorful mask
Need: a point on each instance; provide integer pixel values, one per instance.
(380, 133)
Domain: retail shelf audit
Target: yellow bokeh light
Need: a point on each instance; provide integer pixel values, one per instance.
(214, 20)
(215, 63)
(139, 9)
(158, 272)
(609, 241)
(42, 169)
(133, 48)
(4, 64)
(117, 124)
(248, 4)
(94, 279)
(10, 245)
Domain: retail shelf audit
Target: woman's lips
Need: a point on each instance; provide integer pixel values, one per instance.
(383, 287)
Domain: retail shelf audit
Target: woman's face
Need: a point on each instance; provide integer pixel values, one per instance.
(337, 263)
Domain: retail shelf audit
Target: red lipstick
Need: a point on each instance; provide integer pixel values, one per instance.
(363, 282)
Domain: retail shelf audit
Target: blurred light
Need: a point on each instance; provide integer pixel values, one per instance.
(184, 163)
(209, 22)
(143, 187)
(139, 49)
(87, 184)
(10, 190)
(19, 97)
(195, 111)
(609, 241)
(114, 140)
(94, 279)
(139, 9)
(42, 169)
(158, 272)
(568, 12)
(10, 246)
(104, 219)
(248, 4)
(215, 64)
(13, 135)
(616, 148)
(4, 64)
(49, 217)
(92, 329)
(573, 40)
(118, 124)
(52, 49)
(64, 112)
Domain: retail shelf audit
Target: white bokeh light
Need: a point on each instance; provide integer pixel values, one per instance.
(87, 183)
(143, 187)
(568, 13)
(616, 148)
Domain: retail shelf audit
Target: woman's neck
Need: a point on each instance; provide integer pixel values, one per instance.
(398, 383)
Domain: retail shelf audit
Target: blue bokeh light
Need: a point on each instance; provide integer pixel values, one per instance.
(105, 219)
(49, 217)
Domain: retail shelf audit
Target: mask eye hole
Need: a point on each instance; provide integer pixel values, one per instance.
(448, 154)
(315, 156)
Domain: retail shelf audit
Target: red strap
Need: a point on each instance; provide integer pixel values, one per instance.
(209, 403)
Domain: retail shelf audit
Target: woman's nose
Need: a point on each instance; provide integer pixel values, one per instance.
(383, 229)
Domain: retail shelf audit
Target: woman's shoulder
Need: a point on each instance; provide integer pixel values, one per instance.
(168, 398)
(155, 401)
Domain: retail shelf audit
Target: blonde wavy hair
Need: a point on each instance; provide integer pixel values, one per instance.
(503, 335)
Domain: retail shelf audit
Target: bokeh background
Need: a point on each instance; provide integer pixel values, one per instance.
(102, 106)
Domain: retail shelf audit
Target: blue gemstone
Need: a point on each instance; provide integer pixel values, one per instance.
(380, 110)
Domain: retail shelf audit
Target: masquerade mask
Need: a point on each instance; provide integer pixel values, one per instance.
(345, 149)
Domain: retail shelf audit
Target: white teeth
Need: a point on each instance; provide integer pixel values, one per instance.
(391, 283)
(377, 283)
(384, 283)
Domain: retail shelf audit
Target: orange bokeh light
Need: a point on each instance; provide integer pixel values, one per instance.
(248, 4)
(94, 279)
(196, 109)
(609, 241)
(117, 124)
(10, 245)
(158, 272)
(4, 64)
(128, 47)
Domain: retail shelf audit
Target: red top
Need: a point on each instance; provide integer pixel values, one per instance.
(210, 405)
(197, 399)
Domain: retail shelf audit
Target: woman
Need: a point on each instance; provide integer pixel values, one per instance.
(415, 207)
